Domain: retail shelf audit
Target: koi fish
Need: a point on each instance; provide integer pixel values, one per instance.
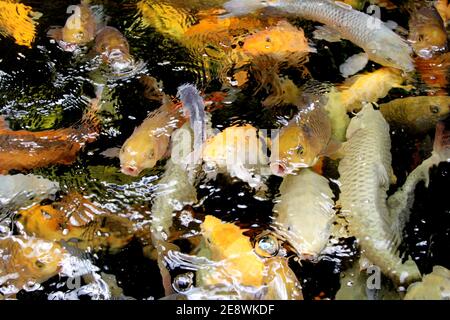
(78, 222)
(149, 142)
(370, 87)
(427, 32)
(434, 286)
(401, 202)
(365, 172)
(27, 261)
(236, 264)
(301, 143)
(25, 150)
(18, 21)
(416, 114)
(79, 30)
(381, 44)
(304, 212)
(114, 50)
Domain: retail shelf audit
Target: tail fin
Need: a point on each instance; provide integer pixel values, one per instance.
(193, 103)
(243, 7)
(91, 121)
(442, 140)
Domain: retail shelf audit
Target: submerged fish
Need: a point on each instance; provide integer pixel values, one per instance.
(150, 142)
(354, 284)
(24, 150)
(79, 30)
(29, 186)
(114, 49)
(238, 150)
(78, 222)
(416, 114)
(228, 244)
(401, 202)
(302, 142)
(443, 8)
(304, 212)
(434, 286)
(365, 172)
(427, 32)
(268, 51)
(27, 262)
(237, 265)
(18, 21)
(280, 40)
(370, 87)
(371, 34)
(175, 190)
(434, 71)
(192, 101)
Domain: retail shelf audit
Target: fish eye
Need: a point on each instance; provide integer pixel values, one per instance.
(39, 264)
(300, 150)
(151, 154)
(435, 109)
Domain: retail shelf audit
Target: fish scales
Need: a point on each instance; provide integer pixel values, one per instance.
(351, 24)
(364, 176)
(305, 212)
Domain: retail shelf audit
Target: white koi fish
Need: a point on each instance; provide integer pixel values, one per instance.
(365, 173)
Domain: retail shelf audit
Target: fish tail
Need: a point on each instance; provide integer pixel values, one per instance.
(243, 7)
(407, 273)
(193, 103)
(98, 13)
(90, 122)
(442, 140)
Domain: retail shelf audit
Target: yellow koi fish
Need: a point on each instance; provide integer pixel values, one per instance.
(27, 261)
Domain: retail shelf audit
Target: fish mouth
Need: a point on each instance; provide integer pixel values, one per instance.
(120, 61)
(279, 169)
(130, 171)
(68, 46)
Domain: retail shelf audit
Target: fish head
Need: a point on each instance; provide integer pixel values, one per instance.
(138, 153)
(360, 120)
(390, 50)
(132, 162)
(295, 151)
(114, 49)
(427, 32)
(435, 109)
(41, 259)
(234, 251)
(80, 27)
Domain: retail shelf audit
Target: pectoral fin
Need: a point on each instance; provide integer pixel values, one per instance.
(55, 33)
(111, 153)
(332, 148)
(354, 64)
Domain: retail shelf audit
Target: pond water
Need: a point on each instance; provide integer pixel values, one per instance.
(79, 222)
